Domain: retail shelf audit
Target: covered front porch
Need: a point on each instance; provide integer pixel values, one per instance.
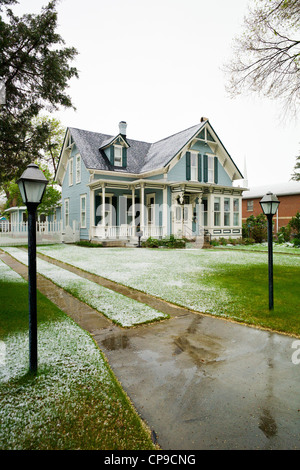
(128, 211)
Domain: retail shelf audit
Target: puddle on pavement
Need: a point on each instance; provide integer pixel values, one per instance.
(203, 349)
(267, 424)
(112, 343)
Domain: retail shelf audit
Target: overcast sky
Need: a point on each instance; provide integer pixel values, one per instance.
(157, 65)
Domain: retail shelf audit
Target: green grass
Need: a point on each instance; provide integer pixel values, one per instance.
(75, 401)
(248, 290)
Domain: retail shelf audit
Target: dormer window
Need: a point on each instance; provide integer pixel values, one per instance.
(118, 155)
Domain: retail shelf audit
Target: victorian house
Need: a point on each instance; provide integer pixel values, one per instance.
(118, 188)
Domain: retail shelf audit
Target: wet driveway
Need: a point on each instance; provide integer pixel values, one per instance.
(206, 383)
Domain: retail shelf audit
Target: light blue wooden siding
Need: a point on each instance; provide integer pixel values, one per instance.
(178, 172)
(117, 177)
(74, 192)
(223, 177)
(156, 177)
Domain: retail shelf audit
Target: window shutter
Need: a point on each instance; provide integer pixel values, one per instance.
(188, 166)
(112, 155)
(124, 157)
(199, 167)
(216, 170)
(205, 168)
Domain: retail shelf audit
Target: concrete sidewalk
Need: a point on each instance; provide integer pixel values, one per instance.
(199, 382)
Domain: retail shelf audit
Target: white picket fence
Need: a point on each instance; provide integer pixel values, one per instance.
(46, 233)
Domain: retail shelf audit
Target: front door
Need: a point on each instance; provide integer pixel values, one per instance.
(182, 218)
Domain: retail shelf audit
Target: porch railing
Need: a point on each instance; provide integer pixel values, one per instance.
(17, 233)
(125, 232)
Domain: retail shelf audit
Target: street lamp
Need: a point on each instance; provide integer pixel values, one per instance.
(269, 204)
(32, 185)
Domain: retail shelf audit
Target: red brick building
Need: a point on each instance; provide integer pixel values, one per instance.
(288, 195)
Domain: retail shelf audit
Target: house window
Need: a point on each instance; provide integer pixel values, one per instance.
(210, 169)
(217, 212)
(78, 168)
(151, 209)
(118, 155)
(226, 211)
(71, 172)
(236, 211)
(67, 212)
(194, 166)
(83, 211)
(250, 205)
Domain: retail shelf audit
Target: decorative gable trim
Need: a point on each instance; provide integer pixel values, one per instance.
(118, 139)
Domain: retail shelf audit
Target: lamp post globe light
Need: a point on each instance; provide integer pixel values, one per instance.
(269, 204)
(32, 185)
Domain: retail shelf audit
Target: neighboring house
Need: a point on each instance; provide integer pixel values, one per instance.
(18, 216)
(15, 230)
(113, 186)
(288, 195)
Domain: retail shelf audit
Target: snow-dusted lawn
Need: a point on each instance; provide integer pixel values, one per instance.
(120, 309)
(287, 248)
(9, 275)
(74, 402)
(179, 276)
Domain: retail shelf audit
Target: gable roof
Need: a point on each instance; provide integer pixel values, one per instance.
(142, 156)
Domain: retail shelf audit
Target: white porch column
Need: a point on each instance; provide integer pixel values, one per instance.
(103, 205)
(142, 207)
(165, 212)
(92, 212)
(133, 208)
(210, 210)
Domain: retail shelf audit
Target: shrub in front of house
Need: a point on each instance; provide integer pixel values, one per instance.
(170, 242)
(88, 244)
(284, 234)
(296, 242)
(256, 228)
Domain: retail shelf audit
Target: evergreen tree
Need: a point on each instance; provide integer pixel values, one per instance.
(35, 70)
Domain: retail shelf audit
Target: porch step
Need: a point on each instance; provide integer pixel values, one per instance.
(118, 243)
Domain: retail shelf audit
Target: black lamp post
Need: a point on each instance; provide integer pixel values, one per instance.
(269, 204)
(32, 185)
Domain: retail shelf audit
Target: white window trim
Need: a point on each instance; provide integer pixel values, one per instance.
(119, 164)
(196, 166)
(83, 196)
(236, 213)
(71, 166)
(228, 212)
(217, 212)
(78, 168)
(211, 171)
(67, 202)
(152, 206)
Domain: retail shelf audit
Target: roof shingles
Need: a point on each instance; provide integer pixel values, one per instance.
(141, 156)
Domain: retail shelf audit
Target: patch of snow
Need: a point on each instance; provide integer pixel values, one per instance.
(119, 308)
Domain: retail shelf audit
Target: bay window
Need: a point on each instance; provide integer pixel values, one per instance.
(236, 211)
(226, 211)
(217, 212)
